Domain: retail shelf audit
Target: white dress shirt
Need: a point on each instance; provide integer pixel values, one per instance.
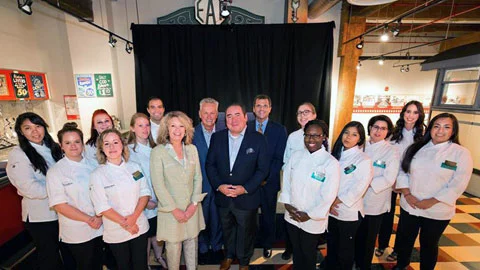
(114, 186)
(141, 155)
(68, 182)
(310, 184)
(31, 184)
(386, 162)
(294, 143)
(431, 176)
(353, 183)
(154, 129)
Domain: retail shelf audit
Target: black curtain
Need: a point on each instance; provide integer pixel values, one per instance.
(182, 64)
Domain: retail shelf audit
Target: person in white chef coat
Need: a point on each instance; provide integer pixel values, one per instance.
(435, 172)
(305, 112)
(68, 193)
(140, 144)
(120, 192)
(27, 169)
(409, 128)
(101, 121)
(376, 202)
(346, 213)
(310, 184)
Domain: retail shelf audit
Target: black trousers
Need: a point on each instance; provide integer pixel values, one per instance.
(365, 240)
(45, 238)
(304, 248)
(341, 243)
(131, 254)
(430, 232)
(386, 228)
(87, 255)
(239, 228)
(268, 205)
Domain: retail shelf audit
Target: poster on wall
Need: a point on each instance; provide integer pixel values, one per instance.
(38, 86)
(20, 87)
(3, 85)
(103, 83)
(71, 107)
(85, 86)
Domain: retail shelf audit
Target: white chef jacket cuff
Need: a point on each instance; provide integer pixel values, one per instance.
(99, 209)
(283, 198)
(402, 182)
(145, 192)
(446, 196)
(52, 203)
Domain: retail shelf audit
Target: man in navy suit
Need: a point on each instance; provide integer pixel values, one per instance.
(237, 163)
(209, 240)
(276, 135)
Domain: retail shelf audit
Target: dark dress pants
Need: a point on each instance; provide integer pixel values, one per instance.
(386, 228)
(45, 238)
(268, 206)
(87, 255)
(341, 243)
(132, 254)
(365, 240)
(304, 248)
(212, 235)
(239, 228)
(430, 232)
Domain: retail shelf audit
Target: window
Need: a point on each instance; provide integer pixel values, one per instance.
(460, 86)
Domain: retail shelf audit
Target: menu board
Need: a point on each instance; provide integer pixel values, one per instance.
(18, 84)
(20, 87)
(38, 86)
(103, 82)
(94, 85)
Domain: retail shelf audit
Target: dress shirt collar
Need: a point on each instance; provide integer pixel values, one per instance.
(264, 125)
(350, 152)
(241, 134)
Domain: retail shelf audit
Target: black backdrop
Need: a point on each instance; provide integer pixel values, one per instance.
(182, 64)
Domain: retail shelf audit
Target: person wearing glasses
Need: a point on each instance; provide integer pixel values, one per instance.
(295, 141)
(435, 172)
(376, 202)
(346, 212)
(310, 184)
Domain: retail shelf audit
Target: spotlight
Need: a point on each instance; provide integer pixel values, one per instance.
(359, 65)
(384, 36)
(224, 12)
(360, 44)
(381, 61)
(402, 69)
(25, 6)
(112, 41)
(407, 68)
(395, 31)
(128, 47)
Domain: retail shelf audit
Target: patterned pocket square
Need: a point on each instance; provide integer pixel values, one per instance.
(250, 151)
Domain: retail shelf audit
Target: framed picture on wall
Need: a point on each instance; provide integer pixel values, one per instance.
(71, 107)
(6, 91)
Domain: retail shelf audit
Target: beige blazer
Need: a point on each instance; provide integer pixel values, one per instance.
(176, 186)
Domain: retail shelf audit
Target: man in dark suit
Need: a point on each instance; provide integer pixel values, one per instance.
(276, 135)
(209, 240)
(237, 163)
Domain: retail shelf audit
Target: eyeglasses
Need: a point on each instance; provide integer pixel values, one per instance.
(313, 136)
(304, 113)
(377, 128)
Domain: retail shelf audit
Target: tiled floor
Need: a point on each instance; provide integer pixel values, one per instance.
(459, 245)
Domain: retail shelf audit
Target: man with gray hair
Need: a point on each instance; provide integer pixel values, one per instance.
(210, 240)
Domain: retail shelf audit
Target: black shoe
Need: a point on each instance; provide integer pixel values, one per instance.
(267, 253)
(218, 256)
(203, 258)
(286, 255)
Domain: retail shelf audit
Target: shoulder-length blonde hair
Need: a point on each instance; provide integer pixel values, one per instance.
(101, 157)
(163, 135)
(131, 135)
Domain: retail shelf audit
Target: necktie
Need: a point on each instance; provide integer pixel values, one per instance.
(260, 130)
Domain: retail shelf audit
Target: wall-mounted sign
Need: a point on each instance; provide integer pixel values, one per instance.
(94, 85)
(208, 12)
(3, 85)
(38, 86)
(20, 87)
(71, 107)
(103, 83)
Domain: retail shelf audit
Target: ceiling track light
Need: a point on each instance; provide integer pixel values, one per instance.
(128, 47)
(25, 6)
(112, 41)
(407, 68)
(359, 65)
(396, 30)
(384, 36)
(402, 69)
(360, 44)
(381, 61)
(224, 11)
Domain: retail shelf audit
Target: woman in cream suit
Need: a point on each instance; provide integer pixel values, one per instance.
(177, 181)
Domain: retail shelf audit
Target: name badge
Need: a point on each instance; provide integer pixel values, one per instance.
(137, 175)
(319, 176)
(349, 169)
(450, 165)
(380, 164)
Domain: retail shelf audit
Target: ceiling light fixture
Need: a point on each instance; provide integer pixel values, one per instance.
(359, 65)
(25, 6)
(381, 61)
(128, 47)
(112, 41)
(407, 68)
(384, 36)
(402, 69)
(224, 12)
(360, 44)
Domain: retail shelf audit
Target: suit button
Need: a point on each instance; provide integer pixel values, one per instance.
(230, 174)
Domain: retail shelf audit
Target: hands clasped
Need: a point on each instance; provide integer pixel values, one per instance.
(295, 214)
(129, 223)
(184, 216)
(231, 190)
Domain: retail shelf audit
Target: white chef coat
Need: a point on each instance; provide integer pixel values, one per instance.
(353, 185)
(113, 186)
(310, 184)
(386, 162)
(427, 178)
(154, 129)
(294, 143)
(68, 182)
(90, 152)
(141, 155)
(406, 141)
(31, 184)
